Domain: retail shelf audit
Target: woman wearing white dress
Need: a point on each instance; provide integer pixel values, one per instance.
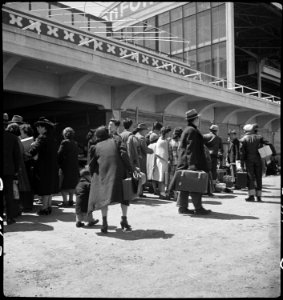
(151, 168)
(162, 159)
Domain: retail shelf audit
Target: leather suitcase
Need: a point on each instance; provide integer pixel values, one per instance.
(220, 174)
(191, 181)
(241, 180)
(228, 180)
(128, 190)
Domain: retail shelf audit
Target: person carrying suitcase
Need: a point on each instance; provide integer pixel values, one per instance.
(191, 157)
(251, 161)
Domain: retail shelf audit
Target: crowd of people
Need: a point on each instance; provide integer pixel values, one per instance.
(36, 166)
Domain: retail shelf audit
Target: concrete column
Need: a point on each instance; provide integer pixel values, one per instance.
(230, 44)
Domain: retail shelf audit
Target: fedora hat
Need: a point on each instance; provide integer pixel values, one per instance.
(17, 119)
(43, 121)
(142, 126)
(191, 114)
(214, 127)
(248, 127)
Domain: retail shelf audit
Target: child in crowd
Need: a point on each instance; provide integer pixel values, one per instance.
(82, 194)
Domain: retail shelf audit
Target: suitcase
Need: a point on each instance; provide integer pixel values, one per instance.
(191, 181)
(228, 179)
(241, 180)
(128, 190)
(220, 174)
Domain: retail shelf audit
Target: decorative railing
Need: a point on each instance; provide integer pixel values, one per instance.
(43, 26)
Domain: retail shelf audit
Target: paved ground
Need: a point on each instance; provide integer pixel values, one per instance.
(234, 252)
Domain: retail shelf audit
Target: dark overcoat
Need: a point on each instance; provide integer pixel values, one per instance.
(69, 163)
(109, 164)
(82, 194)
(46, 165)
(191, 151)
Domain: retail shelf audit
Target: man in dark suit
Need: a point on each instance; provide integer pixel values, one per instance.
(11, 163)
(191, 157)
(233, 151)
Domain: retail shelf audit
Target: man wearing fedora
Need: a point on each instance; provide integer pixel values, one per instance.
(17, 119)
(214, 144)
(11, 165)
(191, 157)
(143, 150)
(251, 160)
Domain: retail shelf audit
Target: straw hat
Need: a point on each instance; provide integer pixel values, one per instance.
(248, 128)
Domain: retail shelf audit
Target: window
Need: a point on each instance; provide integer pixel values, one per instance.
(163, 18)
(137, 35)
(189, 9)
(164, 46)
(177, 37)
(218, 24)
(190, 33)
(176, 14)
(203, 6)
(150, 33)
(204, 59)
(190, 58)
(203, 29)
(219, 60)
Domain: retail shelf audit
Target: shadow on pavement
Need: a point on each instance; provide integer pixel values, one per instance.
(271, 202)
(264, 196)
(33, 226)
(212, 202)
(137, 234)
(222, 216)
(225, 196)
(151, 201)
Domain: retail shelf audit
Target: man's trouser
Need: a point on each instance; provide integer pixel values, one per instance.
(254, 170)
(183, 199)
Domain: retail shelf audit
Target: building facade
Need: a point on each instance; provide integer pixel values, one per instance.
(79, 70)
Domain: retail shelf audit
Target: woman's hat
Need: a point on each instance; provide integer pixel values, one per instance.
(153, 137)
(191, 114)
(17, 119)
(214, 127)
(248, 128)
(142, 126)
(102, 133)
(43, 121)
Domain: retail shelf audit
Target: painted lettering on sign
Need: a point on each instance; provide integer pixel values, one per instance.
(125, 9)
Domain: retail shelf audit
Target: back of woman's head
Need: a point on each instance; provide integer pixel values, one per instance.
(102, 133)
(27, 129)
(164, 130)
(69, 133)
(14, 128)
(127, 123)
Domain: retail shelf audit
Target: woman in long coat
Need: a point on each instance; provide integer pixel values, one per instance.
(46, 165)
(162, 158)
(69, 166)
(109, 165)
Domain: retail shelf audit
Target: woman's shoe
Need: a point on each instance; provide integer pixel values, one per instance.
(42, 212)
(70, 203)
(104, 228)
(92, 223)
(80, 224)
(49, 209)
(124, 224)
(63, 204)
